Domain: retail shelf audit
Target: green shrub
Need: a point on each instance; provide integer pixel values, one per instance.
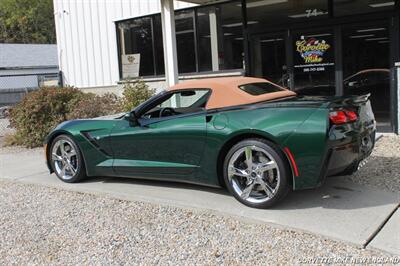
(134, 94)
(40, 111)
(92, 105)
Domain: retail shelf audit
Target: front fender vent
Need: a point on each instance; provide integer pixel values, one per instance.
(93, 141)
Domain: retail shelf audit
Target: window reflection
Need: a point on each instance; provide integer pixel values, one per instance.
(208, 39)
(158, 45)
(314, 63)
(136, 38)
(269, 58)
(206, 22)
(264, 13)
(231, 36)
(345, 7)
(185, 41)
(366, 66)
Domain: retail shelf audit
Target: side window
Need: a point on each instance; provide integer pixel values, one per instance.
(260, 88)
(187, 99)
(178, 103)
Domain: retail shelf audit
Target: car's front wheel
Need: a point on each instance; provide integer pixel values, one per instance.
(256, 173)
(66, 159)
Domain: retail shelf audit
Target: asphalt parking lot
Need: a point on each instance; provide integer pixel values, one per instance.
(355, 215)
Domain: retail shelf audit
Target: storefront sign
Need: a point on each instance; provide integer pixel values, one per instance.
(130, 65)
(312, 50)
(315, 54)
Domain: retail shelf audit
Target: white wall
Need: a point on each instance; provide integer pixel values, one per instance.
(86, 37)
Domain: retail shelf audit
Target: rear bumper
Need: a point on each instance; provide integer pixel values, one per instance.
(347, 148)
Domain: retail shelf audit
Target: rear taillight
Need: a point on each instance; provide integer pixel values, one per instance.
(351, 115)
(338, 117)
(342, 117)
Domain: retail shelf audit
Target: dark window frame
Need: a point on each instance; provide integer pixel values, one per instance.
(195, 27)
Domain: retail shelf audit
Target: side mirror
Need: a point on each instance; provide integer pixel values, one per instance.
(132, 118)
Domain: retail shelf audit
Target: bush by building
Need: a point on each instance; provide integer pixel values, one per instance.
(134, 94)
(41, 110)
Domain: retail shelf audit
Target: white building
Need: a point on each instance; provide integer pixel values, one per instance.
(357, 45)
(87, 37)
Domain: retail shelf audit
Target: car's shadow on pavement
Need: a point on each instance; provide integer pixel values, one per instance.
(336, 193)
(156, 183)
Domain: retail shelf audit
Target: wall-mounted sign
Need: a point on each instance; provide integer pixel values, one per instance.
(130, 65)
(314, 54)
(312, 50)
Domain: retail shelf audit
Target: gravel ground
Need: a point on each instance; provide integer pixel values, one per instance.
(41, 225)
(383, 167)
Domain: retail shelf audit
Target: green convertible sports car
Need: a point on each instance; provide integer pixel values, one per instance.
(253, 137)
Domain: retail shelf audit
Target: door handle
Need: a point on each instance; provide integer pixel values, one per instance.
(208, 118)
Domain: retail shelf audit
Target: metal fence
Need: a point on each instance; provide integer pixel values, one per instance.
(13, 89)
(4, 122)
(10, 97)
(5, 127)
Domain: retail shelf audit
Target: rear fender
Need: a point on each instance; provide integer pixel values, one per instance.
(308, 145)
(274, 124)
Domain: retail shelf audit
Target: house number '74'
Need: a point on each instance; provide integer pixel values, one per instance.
(312, 12)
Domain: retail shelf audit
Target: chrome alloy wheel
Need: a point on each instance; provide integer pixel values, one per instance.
(253, 174)
(64, 159)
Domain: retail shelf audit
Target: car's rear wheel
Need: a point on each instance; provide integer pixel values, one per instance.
(256, 173)
(66, 159)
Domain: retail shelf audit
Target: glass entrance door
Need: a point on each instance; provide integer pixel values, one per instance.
(269, 58)
(310, 70)
(366, 67)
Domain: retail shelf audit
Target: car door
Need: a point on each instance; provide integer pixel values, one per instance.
(158, 146)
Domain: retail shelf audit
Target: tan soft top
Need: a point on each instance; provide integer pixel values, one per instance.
(226, 92)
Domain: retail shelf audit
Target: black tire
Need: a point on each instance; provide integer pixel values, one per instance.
(282, 168)
(76, 160)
